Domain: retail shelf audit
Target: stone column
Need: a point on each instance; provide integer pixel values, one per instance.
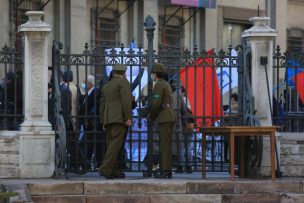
(260, 38)
(124, 34)
(35, 73)
(151, 8)
(36, 159)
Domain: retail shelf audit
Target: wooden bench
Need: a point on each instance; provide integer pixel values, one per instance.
(234, 131)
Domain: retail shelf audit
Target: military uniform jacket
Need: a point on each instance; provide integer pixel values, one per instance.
(115, 101)
(162, 109)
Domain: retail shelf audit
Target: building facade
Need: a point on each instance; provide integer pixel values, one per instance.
(112, 22)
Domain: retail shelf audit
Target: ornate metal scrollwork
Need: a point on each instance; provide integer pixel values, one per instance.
(254, 145)
(59, 124)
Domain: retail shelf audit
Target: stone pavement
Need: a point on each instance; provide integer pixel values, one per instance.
(91, 188)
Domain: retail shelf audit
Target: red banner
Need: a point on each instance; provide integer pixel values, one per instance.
(202, 88)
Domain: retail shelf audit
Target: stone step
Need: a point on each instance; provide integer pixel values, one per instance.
(149, 186)
(171, 198)
(153, 190)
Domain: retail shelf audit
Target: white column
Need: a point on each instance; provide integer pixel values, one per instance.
(35, 73)
(261, 38)
(123, 34)
(80, 26)
(37, 140)
(135, 22)
(211, 20)
(187, 32)
(5, 23)
(151, 8)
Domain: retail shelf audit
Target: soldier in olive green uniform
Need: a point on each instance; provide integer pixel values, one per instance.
(115, 112)
(163, 112)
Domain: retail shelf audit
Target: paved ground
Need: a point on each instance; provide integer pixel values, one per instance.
(137, 177)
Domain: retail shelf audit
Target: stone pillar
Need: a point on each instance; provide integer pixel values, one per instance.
(36, 158)
(260, 38)
(35, 73)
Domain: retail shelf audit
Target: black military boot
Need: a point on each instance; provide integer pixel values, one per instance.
(163, 175)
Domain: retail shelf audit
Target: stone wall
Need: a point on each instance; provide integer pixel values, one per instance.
(9, 154)
(26, 154)
(292, 154)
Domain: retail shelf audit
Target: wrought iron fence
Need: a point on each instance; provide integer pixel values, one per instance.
(288, 91)
(202, 83)
(85, 136)
(11, 88)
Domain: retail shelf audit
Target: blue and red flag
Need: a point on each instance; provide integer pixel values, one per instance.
(295, 76)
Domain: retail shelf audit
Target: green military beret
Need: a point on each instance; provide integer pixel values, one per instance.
(120, 67)
(158, 67)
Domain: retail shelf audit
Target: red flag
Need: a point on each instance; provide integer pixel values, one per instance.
(299, 81)
(202, 85)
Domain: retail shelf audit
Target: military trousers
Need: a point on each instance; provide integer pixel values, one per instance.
(165, 145)
(115, 137)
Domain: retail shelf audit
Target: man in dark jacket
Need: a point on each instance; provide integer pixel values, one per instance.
(89, 120)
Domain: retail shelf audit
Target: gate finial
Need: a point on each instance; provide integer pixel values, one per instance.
(149, 23)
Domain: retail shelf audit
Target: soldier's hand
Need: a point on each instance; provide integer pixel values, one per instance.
(128, 122)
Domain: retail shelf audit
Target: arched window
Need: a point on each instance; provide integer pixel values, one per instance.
(295, 40)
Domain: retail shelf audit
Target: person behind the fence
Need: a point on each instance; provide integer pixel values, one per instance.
(8, 101)
(177, 138)
(115, 115)
(7, 91)
(50, 103)
(233, 108)
(163, 112)
(234, 102)
(188, 127)
(88, 120)
(70, 124)
(66, 102)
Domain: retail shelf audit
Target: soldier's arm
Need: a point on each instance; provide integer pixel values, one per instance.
(126, 99)
(101, 106)
(157, 101)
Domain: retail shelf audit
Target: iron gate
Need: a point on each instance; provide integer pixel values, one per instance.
(11, 88)
(199, 78)
(288, 97)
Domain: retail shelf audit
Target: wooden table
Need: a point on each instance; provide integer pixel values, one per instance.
(234, 131)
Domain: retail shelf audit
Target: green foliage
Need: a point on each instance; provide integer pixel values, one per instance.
(6, 195)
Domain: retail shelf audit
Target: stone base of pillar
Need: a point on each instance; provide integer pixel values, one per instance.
(35, 126)
(27, 154)
(266, 159)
